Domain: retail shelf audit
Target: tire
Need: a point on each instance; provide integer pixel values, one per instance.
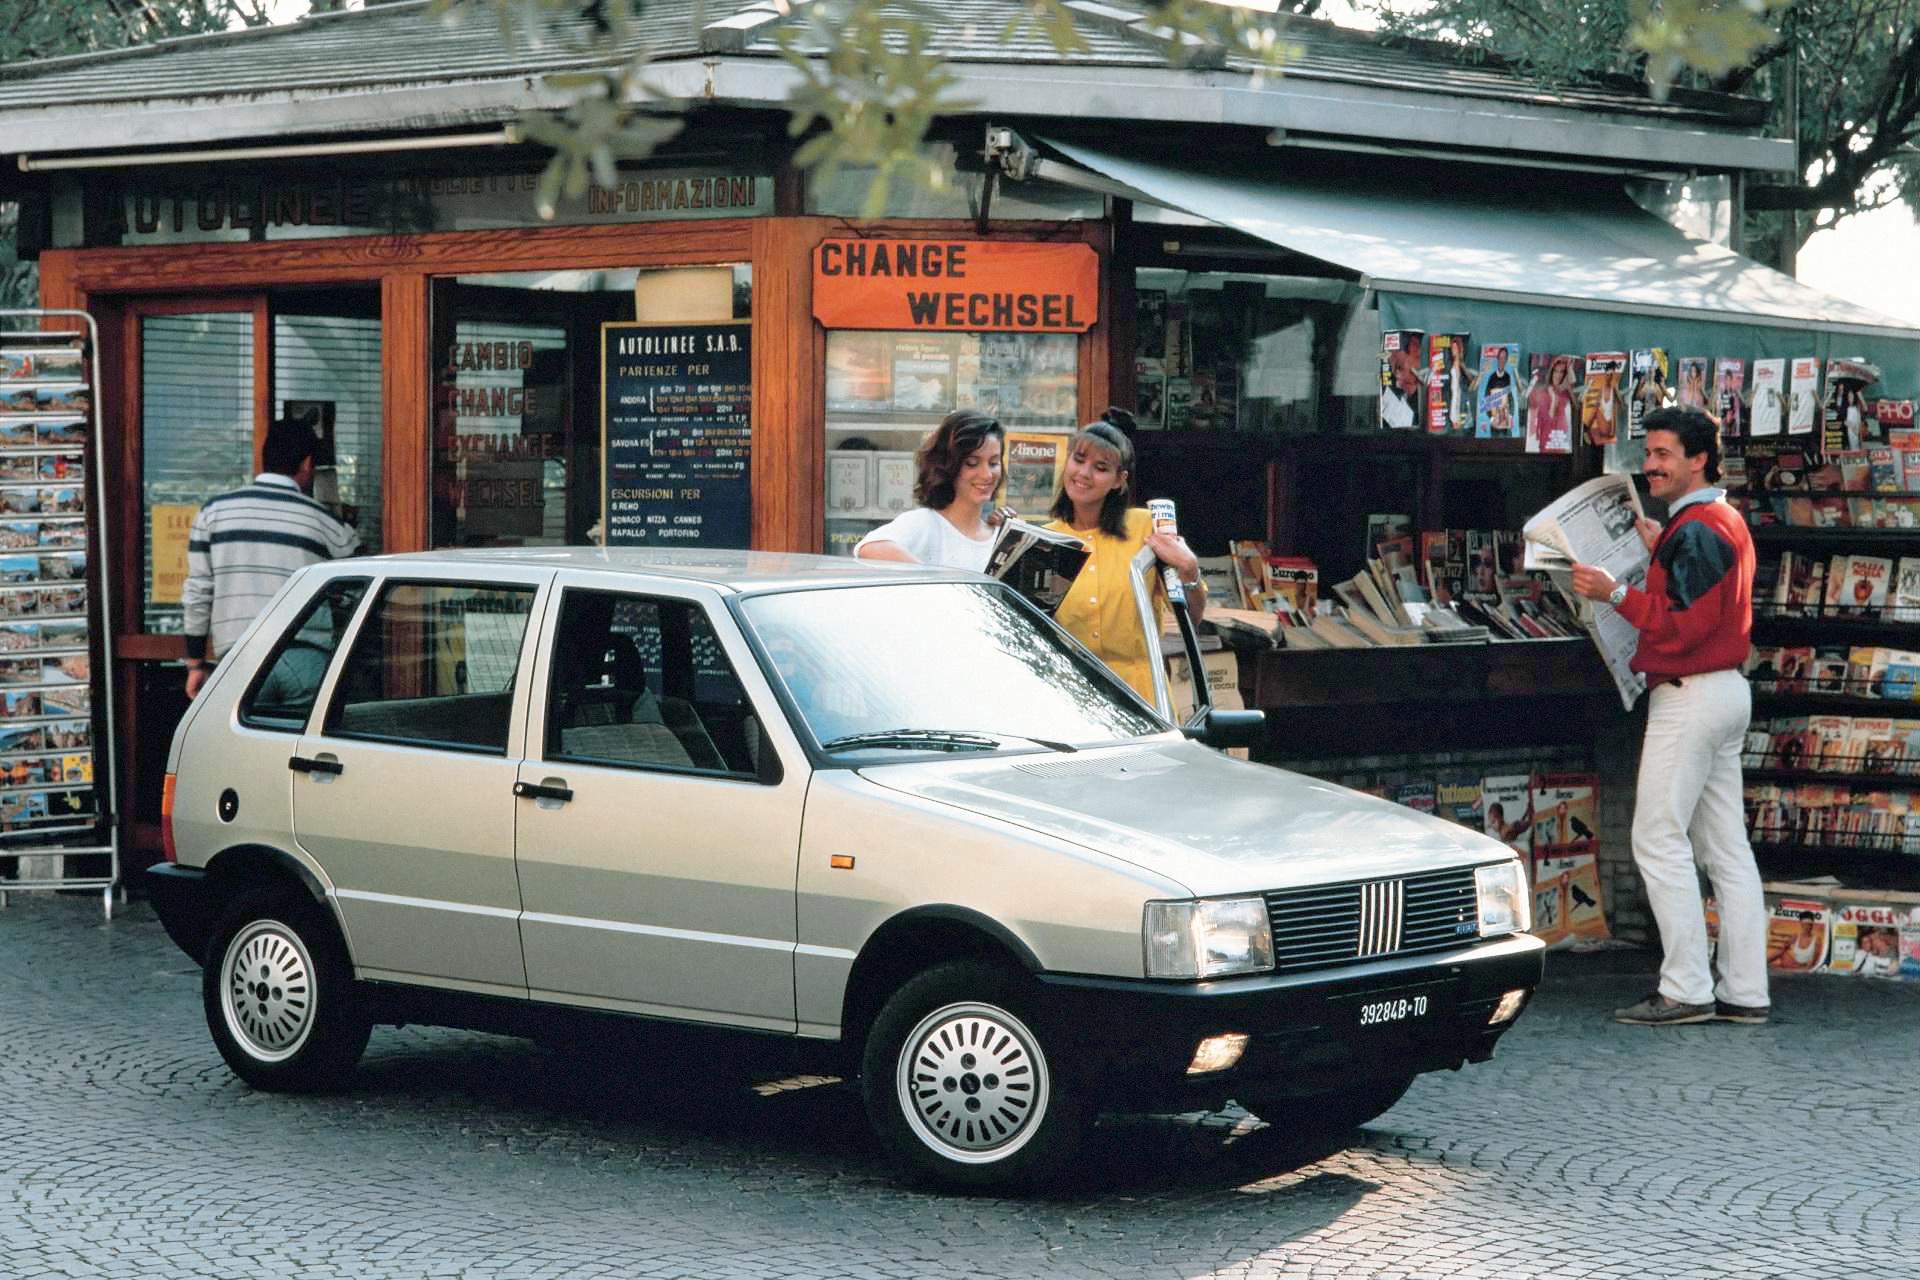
(278, 994)
(961, 1084)
(1329, 1113)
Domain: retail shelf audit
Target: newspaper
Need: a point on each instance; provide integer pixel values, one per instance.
(1595, 524)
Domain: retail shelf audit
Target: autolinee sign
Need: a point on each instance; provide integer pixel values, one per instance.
(956, 284)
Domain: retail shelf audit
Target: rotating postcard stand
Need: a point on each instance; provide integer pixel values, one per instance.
(56, 721)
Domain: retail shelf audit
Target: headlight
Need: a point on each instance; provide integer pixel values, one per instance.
(1207, 939)
(1506, 905)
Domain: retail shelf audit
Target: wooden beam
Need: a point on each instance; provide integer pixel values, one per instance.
(406, 375)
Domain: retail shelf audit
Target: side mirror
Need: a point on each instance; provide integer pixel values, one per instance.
(1221, 728)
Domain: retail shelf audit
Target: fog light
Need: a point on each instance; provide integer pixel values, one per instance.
(1217, 1053)
(1509, 1006)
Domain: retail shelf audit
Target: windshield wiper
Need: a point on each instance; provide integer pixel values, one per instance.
(915, 740)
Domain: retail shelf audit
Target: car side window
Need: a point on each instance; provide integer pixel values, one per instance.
(283, 693)
(434, 664)
(643, 681)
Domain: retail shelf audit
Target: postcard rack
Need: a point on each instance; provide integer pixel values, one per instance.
(56, 722)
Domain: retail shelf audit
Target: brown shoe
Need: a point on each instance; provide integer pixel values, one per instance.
(1658, 1011)
(1752, 1016)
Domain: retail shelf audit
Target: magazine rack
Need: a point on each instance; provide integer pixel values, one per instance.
(56, 726)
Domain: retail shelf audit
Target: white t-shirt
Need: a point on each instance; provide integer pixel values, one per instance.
(930, 538)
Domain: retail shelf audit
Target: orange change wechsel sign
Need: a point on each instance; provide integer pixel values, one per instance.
(956, 284)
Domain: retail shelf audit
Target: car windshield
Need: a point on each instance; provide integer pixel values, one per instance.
(943, 666)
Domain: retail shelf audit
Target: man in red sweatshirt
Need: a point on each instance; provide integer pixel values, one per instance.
(1695, 618)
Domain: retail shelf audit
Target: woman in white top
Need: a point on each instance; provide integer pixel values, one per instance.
(959, 474)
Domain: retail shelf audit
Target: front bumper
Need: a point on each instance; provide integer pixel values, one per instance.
(1133, 1039)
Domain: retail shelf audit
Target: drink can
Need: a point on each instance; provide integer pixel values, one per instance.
(1160, 514)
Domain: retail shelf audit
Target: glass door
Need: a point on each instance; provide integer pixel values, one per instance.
(205, 377)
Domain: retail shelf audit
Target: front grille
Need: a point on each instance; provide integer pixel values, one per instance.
(1336, 924)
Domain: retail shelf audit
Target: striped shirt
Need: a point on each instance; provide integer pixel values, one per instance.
(243, 545)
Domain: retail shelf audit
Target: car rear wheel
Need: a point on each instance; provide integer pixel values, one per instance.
(278, 994)
(1327, 1113)
(961, 1084)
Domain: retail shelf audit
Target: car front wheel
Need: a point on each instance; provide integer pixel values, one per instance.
(278, 995)
(960, 1083)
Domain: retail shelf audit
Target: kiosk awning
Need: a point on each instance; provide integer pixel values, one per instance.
(1523, 260)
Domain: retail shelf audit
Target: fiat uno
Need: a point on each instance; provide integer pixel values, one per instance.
(891, 815)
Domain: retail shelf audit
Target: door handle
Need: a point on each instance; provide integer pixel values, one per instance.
(301, 764)
(537, 791)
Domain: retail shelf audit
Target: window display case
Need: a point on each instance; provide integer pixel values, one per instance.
(885, 390)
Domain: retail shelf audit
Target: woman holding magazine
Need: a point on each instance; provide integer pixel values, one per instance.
(1099, 609)
(958, 476)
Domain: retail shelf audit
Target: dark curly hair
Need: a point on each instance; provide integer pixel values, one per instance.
(1113, 432)
(1698, 430)
(944, 452)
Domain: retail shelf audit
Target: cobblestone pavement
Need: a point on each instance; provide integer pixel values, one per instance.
(1582, 1150)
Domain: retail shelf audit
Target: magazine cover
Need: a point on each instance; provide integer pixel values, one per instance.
(1566, 900)
(1797, 935)
(1035, 461)
(1179, 403)
(1403, 378)
(1649, 387)
(1872, 746)
(1506, 804)
(1450, 382)
(1827, 738)
(1603, 403)
(893, 477)
(1866, 940)
(1903, 597)
(1565, 815)
(1828, 674)
(1294, 580)
(1150, 323)
(1803, 395)
(1553, 397)
(1694, 385)
(1150, 394)
(1457, 797)
(1249, 570)
(859, 371)
(1844, 409)
(849, 480)
(1767, 405)
(1040, 564)
(1862, 591)
(1497, 412)
(1433, 565)
(1417, 794)
(1910, 943)
(1483, 567)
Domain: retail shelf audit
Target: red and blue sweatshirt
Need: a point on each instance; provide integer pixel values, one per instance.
(1696, 613)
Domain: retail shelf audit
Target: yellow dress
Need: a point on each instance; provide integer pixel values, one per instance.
(1099, 609)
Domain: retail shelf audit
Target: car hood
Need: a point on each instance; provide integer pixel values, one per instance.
(1216, 824)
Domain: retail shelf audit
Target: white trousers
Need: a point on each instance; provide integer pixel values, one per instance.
(1687, 810)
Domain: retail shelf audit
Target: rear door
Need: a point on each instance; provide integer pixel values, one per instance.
(405, 795)
(658, 831)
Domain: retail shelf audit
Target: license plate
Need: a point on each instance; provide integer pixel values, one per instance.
(1374, 1013)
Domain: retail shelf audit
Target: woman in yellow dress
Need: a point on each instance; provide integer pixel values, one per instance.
(1099, 609)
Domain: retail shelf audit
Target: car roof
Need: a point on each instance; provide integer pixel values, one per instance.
(740, 571)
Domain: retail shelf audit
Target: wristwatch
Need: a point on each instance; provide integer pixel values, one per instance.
(1617, 596)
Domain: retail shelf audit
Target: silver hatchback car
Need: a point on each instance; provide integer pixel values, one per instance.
(891, 815)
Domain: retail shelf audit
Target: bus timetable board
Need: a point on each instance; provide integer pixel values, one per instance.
(675, 409)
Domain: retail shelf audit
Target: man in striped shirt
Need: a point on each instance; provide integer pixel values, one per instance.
(244, 544)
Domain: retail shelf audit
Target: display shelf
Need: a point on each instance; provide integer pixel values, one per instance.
(1787, 537)
(1289, 678)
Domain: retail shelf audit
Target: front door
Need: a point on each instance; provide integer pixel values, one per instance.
(405, 797)
(657, 841)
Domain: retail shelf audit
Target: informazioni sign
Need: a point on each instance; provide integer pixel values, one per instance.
(969, 285)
